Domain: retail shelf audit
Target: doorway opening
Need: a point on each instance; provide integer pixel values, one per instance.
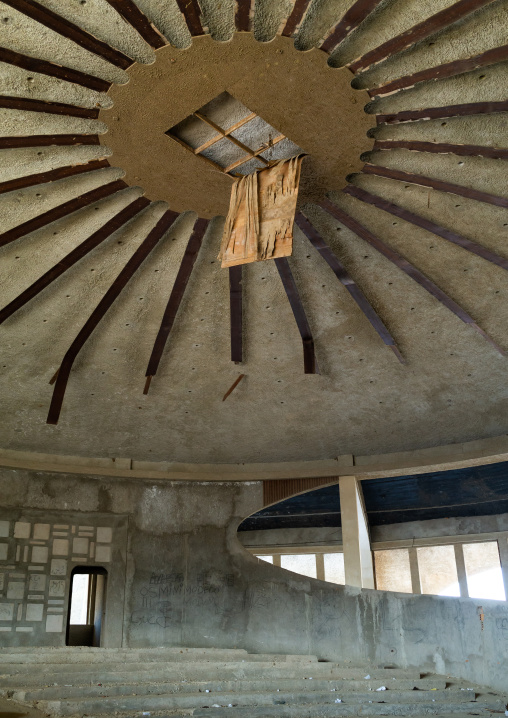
(87, 604)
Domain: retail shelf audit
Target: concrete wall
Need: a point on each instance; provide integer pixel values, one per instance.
(188, 581)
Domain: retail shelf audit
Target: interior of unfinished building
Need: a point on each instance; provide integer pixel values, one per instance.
(253, 358)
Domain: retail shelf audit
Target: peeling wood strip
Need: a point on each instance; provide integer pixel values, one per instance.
(449, 69)
(133, 15)
(52, 108)
(353, 17)
(406, 267)
(233, 387)
(296, 18)
(417, 33)
(7, 143)
(431, 113)
(243, 15)
(176, 296)
(51, 175)
(74, 256)
(192, 13)
(105, 303)
(344, 278)
(60, 211)
(309, 357)
(51, 69)
(496, 153)
(426, 224)
(67, 29)
(235, 313)
(456, 189)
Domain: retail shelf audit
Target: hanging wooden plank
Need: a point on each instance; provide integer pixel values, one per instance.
(74, 256)
(442, 148)
(192, 13)
(62, 376)
(344, 278)
(296, 18)
(51, 175)
(133, 15)
(439, 185)
(233, 387)
(409, 269)
(9, 143)
(426, 224)
(235, 313)
(353, 17)
(62, 210)
(417, 33)
(68, 29)
(449, 69)
(52, 108)
(175, 298)
(243, 15)
(437, 113)
(53, 70)
(286, 275)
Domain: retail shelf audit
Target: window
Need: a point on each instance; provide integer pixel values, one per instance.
(268, 559)
(438, 570)
(334, 568)
(304, 563)
(79, 599)
(392, 570)
(483, 570)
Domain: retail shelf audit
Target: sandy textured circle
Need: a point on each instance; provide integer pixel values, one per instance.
(296, 92)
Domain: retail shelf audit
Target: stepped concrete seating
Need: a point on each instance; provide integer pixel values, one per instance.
(204, 682)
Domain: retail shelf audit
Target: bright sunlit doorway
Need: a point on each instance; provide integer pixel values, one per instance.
(87, 602)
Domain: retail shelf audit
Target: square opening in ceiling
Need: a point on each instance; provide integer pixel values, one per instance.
(233, 139)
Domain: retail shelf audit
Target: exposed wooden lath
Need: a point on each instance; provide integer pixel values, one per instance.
(274, 490)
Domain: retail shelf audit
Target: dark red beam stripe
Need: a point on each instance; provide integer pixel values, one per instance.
(235, 313)
(192, 14)
(417, 33)
(309, 357)
(344, 278)
(52, 70)
(133, 15)
(449, 69)
(436, 113)
(426, 224)
(353, 17)
(456, 189)
(120, 282)
(70, 259)
(296, 17)
(52, 108)
(61, 211)
(7, 143)
(403, 264)
(242, 15)
(51, 175)
(496, 153)
(175, 298)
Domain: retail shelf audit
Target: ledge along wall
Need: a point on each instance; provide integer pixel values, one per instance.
(177, 575)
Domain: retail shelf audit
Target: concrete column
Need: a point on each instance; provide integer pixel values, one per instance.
(358, 566)
(416, 584)
(276, 559)
(461, 570)
(503, 556)
(320, 566)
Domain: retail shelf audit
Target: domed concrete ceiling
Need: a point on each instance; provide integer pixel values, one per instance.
(397, 280)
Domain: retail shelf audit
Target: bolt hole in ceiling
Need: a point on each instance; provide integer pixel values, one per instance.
(111, 81)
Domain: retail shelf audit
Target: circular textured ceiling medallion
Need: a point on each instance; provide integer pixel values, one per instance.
(296, 93)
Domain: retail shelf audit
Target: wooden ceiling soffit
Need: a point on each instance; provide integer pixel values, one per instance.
(309, 357)
(77, 253)
(409, 269)
(296, 18)
(62, 376)
(442, 148)
(53, 108)
(243, 17)
(235, 313)
(280, 489)
(133, 15)
(437, 113)
(62, 210)
(175, 298)
(191, 11)
(9, 143)
(51, 175)
(342, 275)
(353, 17)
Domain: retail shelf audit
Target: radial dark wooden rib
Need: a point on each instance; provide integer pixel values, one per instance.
(52, 108)
(235, 313)
(70, 259)
(61, 211)
(431, 113)
(449, 69)
(443, 148)
(64, 27)
(406, 267)
(62, 376)
(175, 298)
(344, 278)
(51, 175)
(52, 70)
(309, 357)
(9, 143)
(242, 15)
(296, 17)
(353, 17)
(426, 224)
(133, 15)
(192, 14)
(418, 32)
(456, 189)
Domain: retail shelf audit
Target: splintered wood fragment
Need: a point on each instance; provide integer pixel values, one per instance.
(344, 278)
(51, 175)
(243, 15)
(105, 303)
(233, 387)
(431, 113)
(288, 281)
(192, 13)
(296, 17)
(442, 148)
(52, 108)
(353, 17)
(9, 143)
(235, 313)
(133, 15)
